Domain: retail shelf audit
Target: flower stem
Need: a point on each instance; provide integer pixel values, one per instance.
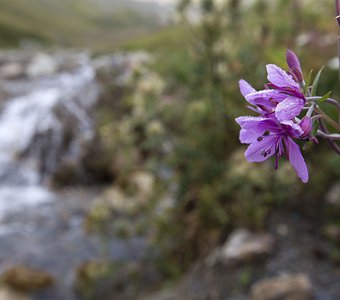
(329, 136)
(328, 100)
(329, 120)
(332, 143)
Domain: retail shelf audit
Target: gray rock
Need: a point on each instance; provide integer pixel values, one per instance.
(11, 70)
(287, 287)
(243, 246)
(333, 195)
(41, 65)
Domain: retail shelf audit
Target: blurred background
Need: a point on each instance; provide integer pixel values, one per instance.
(121, 173)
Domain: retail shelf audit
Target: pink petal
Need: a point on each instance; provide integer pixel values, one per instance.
(258, 124)
(280, 78)
(289, 108)
(255, 152)
(294, 130)
(267, 98)
(248, 136)
(246, 88)
(296, 159)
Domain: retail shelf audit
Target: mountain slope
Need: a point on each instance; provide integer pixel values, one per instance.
(75, 22)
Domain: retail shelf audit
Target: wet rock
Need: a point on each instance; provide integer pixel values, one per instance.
(8, 294)
(41, 65)
(11, 70)
(243, 246)
(288, 287)
(26, 279)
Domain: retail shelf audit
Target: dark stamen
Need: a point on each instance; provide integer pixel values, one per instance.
(260, 138)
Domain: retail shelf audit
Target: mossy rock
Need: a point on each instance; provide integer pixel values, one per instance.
(101, 279)
(26, 279)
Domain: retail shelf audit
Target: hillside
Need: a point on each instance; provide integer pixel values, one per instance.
(84, 23)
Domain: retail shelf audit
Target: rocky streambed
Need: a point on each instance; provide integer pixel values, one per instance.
(87, 241)
(51, 237)
(46, 131)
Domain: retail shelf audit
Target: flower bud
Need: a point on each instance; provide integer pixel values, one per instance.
(306, 125)
(294, 65)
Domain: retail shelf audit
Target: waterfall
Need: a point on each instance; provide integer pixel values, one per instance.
(45, 120)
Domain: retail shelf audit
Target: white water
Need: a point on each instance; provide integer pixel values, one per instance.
(33, 127)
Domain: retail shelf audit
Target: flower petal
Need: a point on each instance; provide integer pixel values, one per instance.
(260, 150)
(294, 130)
(296, 159)
(280, 78)
(248, 136)
(267, 98)
(258, 124)
(289, 108)
(246, 88)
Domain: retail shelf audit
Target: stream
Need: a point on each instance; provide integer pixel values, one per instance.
(46, 118)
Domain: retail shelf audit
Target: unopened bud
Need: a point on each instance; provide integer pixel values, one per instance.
(294, 65)
(306, 125)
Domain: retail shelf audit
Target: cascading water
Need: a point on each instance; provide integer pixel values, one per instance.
(46, 122)
(46, 105)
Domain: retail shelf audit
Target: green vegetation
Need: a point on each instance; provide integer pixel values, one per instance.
(175, 114)
(87, 23)
(190, 91)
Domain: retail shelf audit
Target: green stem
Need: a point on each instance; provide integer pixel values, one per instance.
(329, 120)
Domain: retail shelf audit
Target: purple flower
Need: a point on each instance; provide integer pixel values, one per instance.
(282, 97)
(267, 137)
(306, 125)
(294, 101)
(278, 105)
(263, 102)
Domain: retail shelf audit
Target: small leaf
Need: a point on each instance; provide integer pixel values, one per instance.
(316, 82)
(325, 97)
(309, 78)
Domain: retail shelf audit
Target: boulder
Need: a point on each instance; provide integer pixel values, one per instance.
(26, 279)
(9, 294)
(11, 70)
(41, 65)
(287, 287)
(243, 246)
